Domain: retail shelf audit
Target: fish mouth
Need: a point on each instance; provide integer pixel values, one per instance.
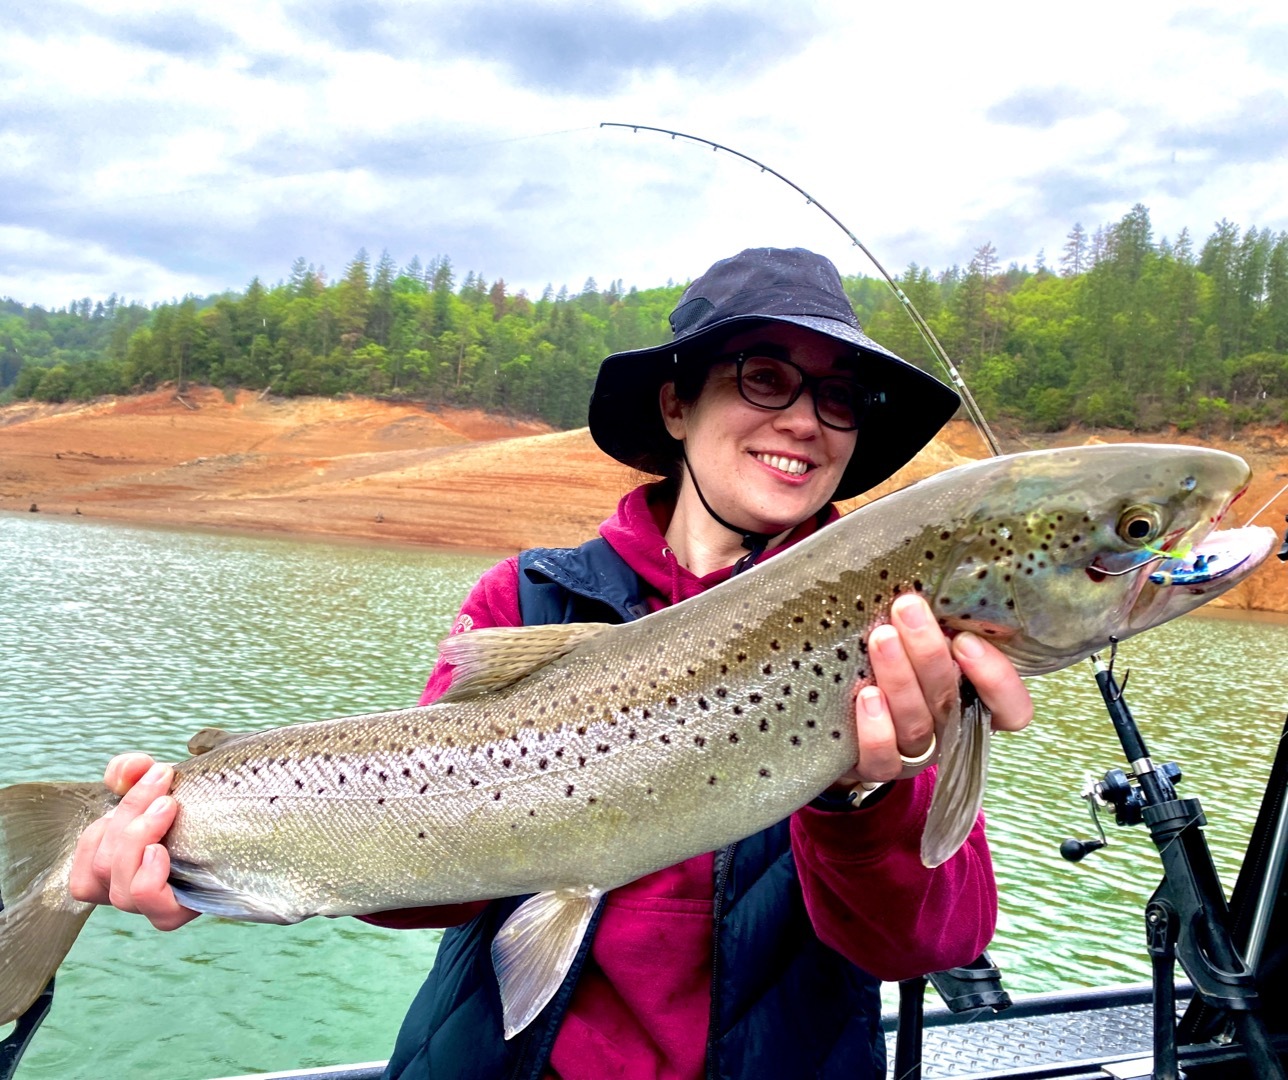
(1217, 557)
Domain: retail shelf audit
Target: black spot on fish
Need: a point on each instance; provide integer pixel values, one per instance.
(774, 645)
(672, 700)
(883, 574)
(423, 788)
(836, 734)
(780, 706)
(631, 734)
(858, 605)
(811, 723)
(796, 740)
(724, 669)
(711, 780)
(505, 763)
(703, 704)
(646, 714)
(807, 647)
(813, 696)
(342, 778)
(798, 619)
(591, 801)
(733, 736)
(721, 692)
(543, 763)
(764, 772)
(299, 784)
(826, 624)
(496, 795)
(407, 773)
(741, 657)
(945, 535)
(737, 710)
(818, 669)
(768, 669)
(601, 748)
(569, 789)
(754, 698)
(581, 762)
(474, 783)
(787, 689)
(698, 740)
(664, 738)
(842, 655)
(451, 769)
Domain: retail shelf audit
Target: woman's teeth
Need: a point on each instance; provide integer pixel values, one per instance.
(791, 466)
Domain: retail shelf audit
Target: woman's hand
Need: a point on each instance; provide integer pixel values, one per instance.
(917, 690)
(119, 859)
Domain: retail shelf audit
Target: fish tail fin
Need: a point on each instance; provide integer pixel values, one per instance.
(959, 785)
(39, 826)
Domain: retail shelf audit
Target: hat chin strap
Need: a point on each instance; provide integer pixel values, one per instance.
(754, 542)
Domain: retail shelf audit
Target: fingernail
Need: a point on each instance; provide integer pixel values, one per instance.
(155, 774)
(912, 612)
(884, 638)
(969, 645)
(870, 698)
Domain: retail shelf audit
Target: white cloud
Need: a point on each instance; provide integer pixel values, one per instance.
(152, 150)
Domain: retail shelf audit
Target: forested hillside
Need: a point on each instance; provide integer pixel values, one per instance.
(1125, 330)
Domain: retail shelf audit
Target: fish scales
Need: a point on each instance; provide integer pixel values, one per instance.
(566, 761)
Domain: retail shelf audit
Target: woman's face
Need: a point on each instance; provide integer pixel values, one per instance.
(763, 469)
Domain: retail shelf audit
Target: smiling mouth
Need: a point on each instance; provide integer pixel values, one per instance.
(790, 466)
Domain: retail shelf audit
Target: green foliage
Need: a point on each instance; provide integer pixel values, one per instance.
(1131, 333)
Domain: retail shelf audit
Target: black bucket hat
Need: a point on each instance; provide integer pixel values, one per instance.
(760, 285)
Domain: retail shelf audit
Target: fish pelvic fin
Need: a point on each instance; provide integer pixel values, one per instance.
(39, 827)
(534, 949)
(495, 657)
(959, 784)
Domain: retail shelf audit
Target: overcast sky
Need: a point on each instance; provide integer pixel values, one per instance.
(158, 149)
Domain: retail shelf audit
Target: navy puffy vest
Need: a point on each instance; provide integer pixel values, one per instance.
(783, 1004)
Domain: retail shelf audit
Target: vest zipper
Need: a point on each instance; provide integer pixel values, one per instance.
(724, 864)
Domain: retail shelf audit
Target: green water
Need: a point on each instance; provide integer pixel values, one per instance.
(116, 638)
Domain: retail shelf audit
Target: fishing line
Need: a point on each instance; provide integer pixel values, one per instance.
(927, 335)
(1269, 502)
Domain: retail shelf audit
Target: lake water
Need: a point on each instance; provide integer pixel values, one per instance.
(115, 638)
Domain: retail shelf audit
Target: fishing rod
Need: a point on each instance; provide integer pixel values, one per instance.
(928, 335)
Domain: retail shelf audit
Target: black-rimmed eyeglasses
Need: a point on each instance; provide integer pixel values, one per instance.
(774, 382)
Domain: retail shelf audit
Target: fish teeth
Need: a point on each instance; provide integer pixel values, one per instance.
(791, 466)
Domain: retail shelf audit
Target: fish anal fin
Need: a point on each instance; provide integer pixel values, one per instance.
(534, 949)
(197, 888)
(959, 784)
(495, 657)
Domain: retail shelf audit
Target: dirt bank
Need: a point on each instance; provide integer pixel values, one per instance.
(397, 473)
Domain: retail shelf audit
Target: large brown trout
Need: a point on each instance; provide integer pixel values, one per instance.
(569, 760)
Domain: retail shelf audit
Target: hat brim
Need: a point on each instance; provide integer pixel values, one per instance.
(912, 405)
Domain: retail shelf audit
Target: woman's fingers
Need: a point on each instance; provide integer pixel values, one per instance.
(145, 790)
(995, 679)
(917, 690)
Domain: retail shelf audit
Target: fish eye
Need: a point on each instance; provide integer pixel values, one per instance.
(1139, 524)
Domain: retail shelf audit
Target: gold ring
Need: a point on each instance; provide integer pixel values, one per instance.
(922, 759)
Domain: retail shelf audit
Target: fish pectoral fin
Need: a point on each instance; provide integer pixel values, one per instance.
(959, 784)
(198, 888)
(534, 949)
(495, 657)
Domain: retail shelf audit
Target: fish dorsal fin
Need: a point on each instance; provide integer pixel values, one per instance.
(534, 949)
(495, 657)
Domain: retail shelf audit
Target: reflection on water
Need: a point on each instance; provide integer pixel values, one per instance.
(116, 638)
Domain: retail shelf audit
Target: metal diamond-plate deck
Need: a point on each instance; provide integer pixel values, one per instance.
(997, 1046)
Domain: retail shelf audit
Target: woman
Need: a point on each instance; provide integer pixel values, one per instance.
(762, 959)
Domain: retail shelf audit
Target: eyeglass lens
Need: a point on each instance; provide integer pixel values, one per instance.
(771, 383)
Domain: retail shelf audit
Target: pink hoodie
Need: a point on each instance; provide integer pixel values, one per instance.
(642, 1004)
